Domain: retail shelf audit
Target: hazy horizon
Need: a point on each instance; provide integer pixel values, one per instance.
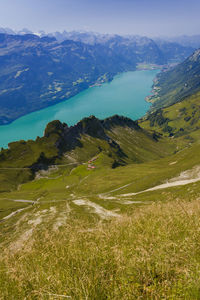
(97, 32)
(138, 17)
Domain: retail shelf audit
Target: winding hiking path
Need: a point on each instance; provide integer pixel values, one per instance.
(13, 214)
(164, 186)
(20, 209)
(99, 210)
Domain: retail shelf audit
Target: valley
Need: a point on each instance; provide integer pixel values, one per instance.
(99, 200)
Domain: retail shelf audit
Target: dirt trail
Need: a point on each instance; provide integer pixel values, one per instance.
(104, 195)
(13, 214)
(20, 209)
(62, 218)
(99, 210)
(186, 177)
(23, 201)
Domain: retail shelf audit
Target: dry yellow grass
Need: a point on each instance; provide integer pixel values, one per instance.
(153, 254)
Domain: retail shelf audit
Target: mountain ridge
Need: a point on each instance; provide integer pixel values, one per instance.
(89, 137)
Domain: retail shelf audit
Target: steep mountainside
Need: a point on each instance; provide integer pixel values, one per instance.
(178, 83)
(104, 206)
(173, 51)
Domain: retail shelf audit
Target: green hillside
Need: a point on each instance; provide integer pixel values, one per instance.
(178, 83)
(179, 120)
(117, 140)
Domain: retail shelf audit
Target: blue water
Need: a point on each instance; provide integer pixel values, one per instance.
(125, 95)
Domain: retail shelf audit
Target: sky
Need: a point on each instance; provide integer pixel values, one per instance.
(143, 17)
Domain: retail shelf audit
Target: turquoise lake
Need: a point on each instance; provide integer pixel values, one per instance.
(125, 95)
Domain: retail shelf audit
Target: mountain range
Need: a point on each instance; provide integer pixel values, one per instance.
(36, 72)
(89, 37)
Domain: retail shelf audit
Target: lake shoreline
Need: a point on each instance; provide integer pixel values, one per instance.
(110, 78)
(123, 95)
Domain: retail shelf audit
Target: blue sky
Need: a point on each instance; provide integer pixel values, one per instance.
(143, 17)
